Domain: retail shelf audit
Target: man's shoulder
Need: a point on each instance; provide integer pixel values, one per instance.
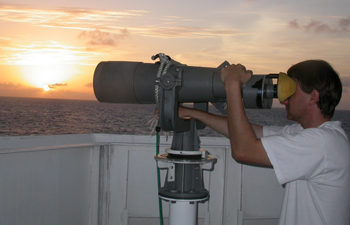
(287, 129)
(332, 128)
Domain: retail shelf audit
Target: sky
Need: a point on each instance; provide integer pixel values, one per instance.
(50, 49)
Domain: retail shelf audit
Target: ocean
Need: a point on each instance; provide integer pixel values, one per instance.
(31, 116)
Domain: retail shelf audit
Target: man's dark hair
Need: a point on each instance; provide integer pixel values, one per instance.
(319, 75)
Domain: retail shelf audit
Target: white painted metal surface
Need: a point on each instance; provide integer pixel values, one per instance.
(183, 212)
(111, 179)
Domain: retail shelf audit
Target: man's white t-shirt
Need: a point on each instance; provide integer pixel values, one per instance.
(314, 166)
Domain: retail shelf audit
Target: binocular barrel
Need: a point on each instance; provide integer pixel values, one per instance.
(134, 82)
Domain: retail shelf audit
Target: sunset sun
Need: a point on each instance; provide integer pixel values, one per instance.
(42, 76)
(46, 88)
(42, 66)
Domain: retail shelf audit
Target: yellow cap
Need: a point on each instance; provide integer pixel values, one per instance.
(286, 87)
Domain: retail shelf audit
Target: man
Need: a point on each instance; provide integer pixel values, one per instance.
(312, 158)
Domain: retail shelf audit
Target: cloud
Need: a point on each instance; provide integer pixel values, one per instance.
(344, 23)
(341, 26)
(185, 32)
(5, 41)
(19, 90)
(64, 17)
(53, 86)
(17, 86)
(92, 21)
(88, 85)
(49, 53)
(98, 37)
(104, 27)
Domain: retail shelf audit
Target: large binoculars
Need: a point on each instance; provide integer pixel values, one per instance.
(134, 82)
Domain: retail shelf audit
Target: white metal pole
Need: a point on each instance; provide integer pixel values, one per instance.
(183, 212)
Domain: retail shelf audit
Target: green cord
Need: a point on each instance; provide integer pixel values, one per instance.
(158, 179)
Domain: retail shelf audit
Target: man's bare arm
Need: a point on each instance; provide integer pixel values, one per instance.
(246, 147)
(215, 122)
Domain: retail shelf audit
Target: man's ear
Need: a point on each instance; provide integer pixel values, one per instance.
(315, 97)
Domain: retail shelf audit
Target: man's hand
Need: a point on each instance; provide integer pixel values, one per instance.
(235, 73)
